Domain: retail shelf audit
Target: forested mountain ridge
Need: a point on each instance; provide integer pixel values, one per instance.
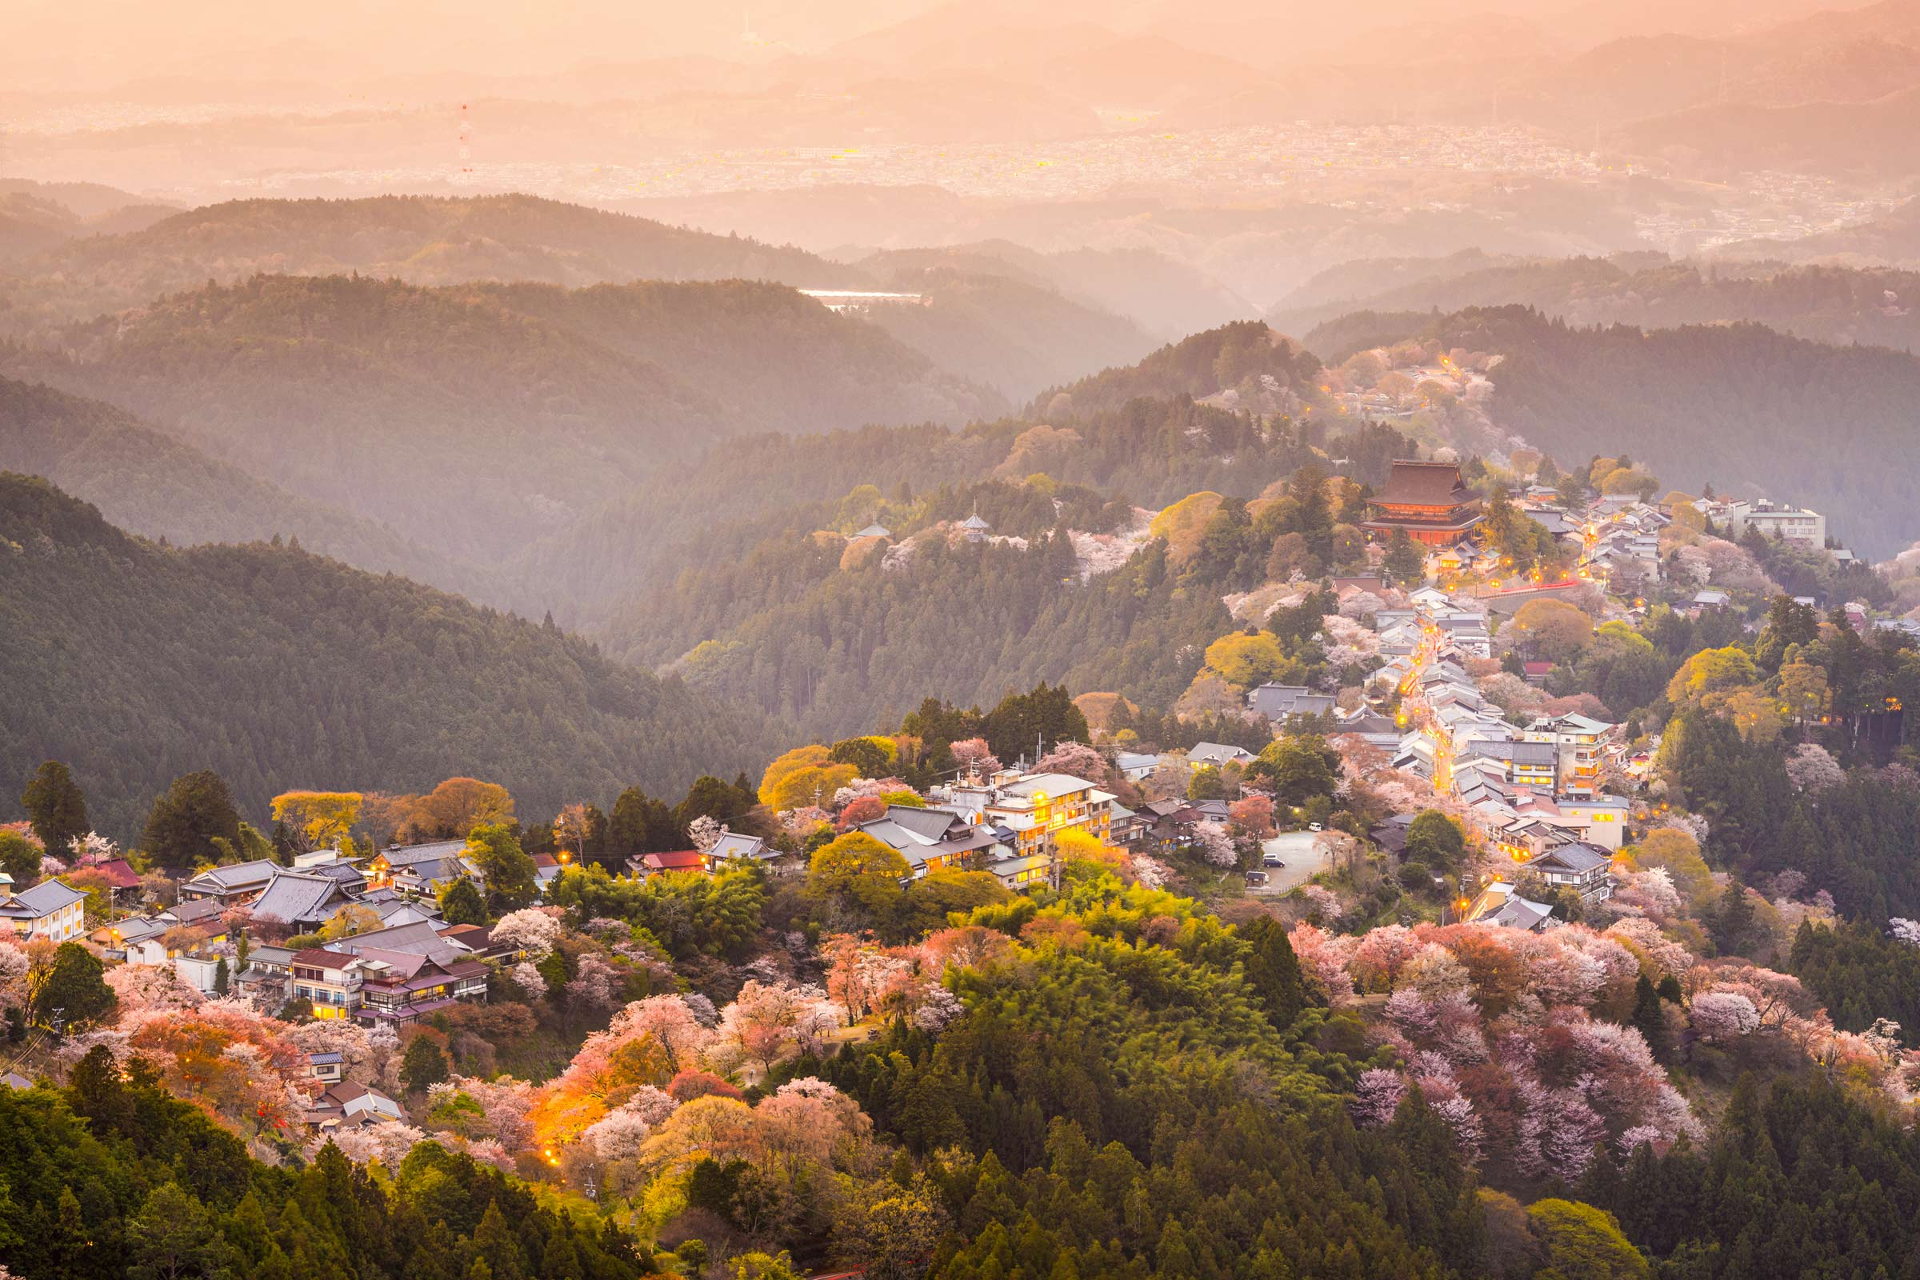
(774, 359)
(275, 667)
(1839, 305)
(1003, 332)
(466, 424)
(1201, 365)
(1752, 411)
(420, 239)
(152, 484)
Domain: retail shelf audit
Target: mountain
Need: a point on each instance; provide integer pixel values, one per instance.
(279, 669)
(1874, 140)
(1203, 365)
(1004, 333)
(477, 419)
(1892, 239)
(1160, 294)
(151, 484)
(29, 224)
(1827, 304)
(420, 239)
(1749, 410)
(770, 357)
(36, 216)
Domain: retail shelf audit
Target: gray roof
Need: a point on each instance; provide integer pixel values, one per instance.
(43, 899)
(1217, 753)
(299, 898)
(408, 855)
(738, 844)
(1519, 913)
(874, 531)
(419, 939)
(235, 875)
(195, 910)
(1277, 701)
(140, 928)
(1576, 857)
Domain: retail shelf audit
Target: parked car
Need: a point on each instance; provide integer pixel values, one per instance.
(1272, 860)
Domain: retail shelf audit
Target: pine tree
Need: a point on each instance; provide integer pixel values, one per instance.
(1274, 971)
(1404, 563)
(1649, 1016)
(55, 807)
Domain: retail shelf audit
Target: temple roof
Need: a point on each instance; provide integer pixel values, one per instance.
(1425, 484)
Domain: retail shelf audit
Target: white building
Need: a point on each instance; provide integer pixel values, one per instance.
(52, 909)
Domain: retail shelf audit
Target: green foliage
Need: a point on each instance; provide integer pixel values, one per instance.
(277, 669)
(504, 866)
(1301, 768)
(75, 986)
(1860, 974)
(1405, 565)
(1795, 1179)
(1436, 839)
(196, 810)
(687, 912)
(1273, 971)
(113, 1177)
(55, 807)
(1140, 1113)
(857, 874)
(461, 902)
(424, 1063)
(19, 858)
(1583, 1243)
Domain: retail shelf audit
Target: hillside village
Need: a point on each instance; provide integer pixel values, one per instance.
(1447, 763)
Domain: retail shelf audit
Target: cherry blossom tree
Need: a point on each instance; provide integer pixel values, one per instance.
(527, 977)
(705, 832)
(1323, 963)
(1075, 759)
(595, 986)
(1811, 767)
(771, 1022)
(144, 988)
(533, 930)
(1214, 845)
(675, 1022)
(1377, 1096)
(1381, 955)
(1722, 1016)
(974, 756)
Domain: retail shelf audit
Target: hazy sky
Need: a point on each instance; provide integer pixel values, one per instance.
(93, 45)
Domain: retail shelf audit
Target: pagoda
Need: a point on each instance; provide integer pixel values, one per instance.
(1428, 500)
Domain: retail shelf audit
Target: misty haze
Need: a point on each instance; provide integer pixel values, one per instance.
(969, 641)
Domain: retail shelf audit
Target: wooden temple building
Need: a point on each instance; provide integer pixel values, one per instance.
(1428, 500)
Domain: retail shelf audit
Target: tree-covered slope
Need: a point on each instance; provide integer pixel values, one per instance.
(1751, 411)
(1010, 335)
(1202, 365)
(421, 239)
(152, 484)
(276, 668)
(774, 359)
(475, 419)
(1827, 304)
